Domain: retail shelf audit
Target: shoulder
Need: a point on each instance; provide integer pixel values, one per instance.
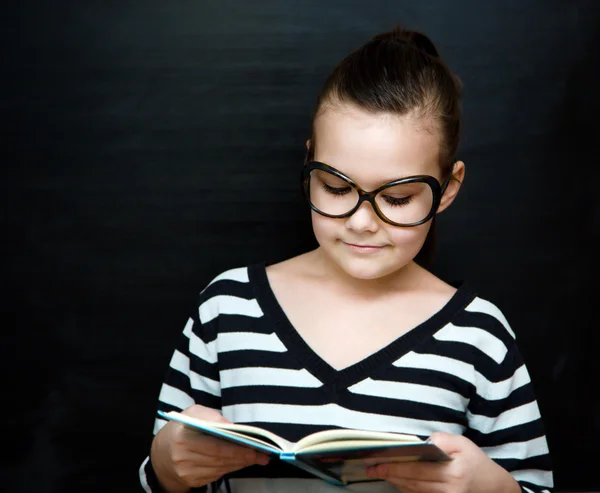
(488, 310)
(293, 274)
(236, 274)
(482, 325)
(231, 292)
(297, 266)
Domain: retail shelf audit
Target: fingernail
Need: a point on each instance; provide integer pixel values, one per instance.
(263, 460)
(381, 471)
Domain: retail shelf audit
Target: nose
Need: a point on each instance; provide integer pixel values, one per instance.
(364, 219)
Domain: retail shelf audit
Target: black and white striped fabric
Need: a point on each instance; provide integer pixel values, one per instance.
(459, 372)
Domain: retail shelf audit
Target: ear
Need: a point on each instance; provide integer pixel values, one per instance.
(458, 176)
(308, 151)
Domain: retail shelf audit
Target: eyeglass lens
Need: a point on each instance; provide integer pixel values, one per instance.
(405, 203)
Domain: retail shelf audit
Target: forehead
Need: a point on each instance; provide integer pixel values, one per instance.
(375, 148)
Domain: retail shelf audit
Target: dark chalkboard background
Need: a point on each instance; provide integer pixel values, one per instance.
(149, 145)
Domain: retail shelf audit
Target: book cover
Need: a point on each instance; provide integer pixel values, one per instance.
(339, 456)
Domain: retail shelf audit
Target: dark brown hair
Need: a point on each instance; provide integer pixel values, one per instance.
(400, 72)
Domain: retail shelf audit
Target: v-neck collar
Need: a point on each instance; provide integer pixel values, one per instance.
(346, 377)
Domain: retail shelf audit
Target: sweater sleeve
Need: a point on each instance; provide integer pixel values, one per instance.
(504, 419)
(192, 378)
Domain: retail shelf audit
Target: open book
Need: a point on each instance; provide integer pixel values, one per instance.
(339, 456)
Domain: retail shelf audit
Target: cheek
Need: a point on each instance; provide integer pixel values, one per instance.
(409, 236)
(409, 241)
(323, 227)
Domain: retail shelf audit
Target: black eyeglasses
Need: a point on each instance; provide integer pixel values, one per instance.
(406, 202)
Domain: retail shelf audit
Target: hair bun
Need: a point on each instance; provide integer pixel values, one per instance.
(414, 38)
(424, 43)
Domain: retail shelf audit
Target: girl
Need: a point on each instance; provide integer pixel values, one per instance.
(357, 333)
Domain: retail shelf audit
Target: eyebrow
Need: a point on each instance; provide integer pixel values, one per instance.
(379, 183)
(400, 178)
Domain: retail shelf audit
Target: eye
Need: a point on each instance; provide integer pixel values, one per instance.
(336, 190)
(397, 201)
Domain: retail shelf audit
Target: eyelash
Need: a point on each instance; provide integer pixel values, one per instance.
(392, 201)
(336, 191)
(397, 201)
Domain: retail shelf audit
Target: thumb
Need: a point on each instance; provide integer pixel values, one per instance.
(205, 414)
(448, 442)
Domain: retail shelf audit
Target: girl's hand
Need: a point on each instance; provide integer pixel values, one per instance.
(184, 459)
(470, 471)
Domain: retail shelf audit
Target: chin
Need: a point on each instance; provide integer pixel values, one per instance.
(369, 268)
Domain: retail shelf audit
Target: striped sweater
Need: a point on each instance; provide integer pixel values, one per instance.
(460, 372)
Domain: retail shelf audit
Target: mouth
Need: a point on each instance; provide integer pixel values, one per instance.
(364, 248)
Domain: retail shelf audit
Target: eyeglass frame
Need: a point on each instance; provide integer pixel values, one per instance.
(437, 190)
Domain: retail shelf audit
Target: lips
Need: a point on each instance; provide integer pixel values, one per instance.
(364, 248)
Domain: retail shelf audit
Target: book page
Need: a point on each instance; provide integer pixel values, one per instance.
(344, 434)
(350, 464)
(350, 445)
(233, 430)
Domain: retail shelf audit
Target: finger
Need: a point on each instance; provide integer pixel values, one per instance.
(184, 459)
(205, 414)
(422, 471)
(448, 442)
(416, 486)
(219, 463)
(220, 448)
(249, 458)
(200, 475)
(228, 452)
(406, 485)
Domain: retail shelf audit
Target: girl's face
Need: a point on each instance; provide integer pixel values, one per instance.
(372, 149)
